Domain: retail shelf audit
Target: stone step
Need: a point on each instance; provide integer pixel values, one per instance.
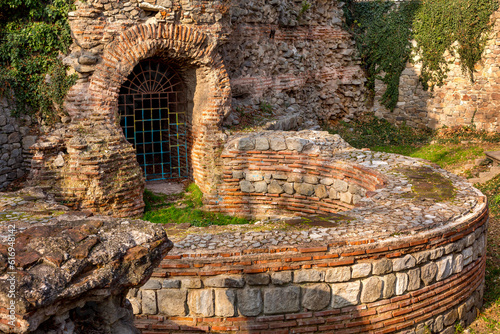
(493, 155)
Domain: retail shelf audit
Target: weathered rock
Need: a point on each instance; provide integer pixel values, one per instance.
(261, 144)
(277, 143)
(382, 267)
(340, 186)
(201, 302)
(429, 272)
(339, 274)
(149, 305)
(224, 281)
(305, 189)
(191, 283)
(361, 270)
(444, 267)
(401, 283)
(115, 254)
(224, 302)
(172, 302)
(320, 191)
(249, 302)
(305, 276)
(316, 297)
(281, 277)
(414, 279)
(372, 289)
(281, 300)
(261, 187)
(258, 279)
(275, 188)
(345, 294)
(403, 263)
(247, 187)
(389, 286)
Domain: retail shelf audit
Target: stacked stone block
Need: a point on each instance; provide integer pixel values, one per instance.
(273, 173)
(15, 140)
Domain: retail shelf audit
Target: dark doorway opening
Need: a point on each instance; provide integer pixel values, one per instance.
(153, 115)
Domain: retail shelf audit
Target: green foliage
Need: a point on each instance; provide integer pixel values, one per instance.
(305, 7)
(383, 33)
(265, 107)
(439, 24)
(370, 131)
(492, 190)
(188, 210)
(33, 34)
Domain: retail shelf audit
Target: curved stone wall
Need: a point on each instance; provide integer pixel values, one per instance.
(433, 280)
(378, 243)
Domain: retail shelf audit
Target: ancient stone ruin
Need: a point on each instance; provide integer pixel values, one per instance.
(354, 241)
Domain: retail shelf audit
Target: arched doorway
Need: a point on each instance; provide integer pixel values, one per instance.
(153, 115)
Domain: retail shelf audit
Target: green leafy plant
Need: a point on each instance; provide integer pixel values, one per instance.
(305, 7)
(265, 107)
(383, 33)
(451, 27)
(33, 34)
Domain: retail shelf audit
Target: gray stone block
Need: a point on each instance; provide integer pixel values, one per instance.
(327, 181)
(340, 186)
(172, 302)
(305, 189)
(382, 267)
(361, 270)
(372, 289)
(281, 277)
(339, 274)
(389, 286)
(254, 176)
(345, 294)
(275, 188)
(245, 144)
(281, 300)
(444, 267)
(201, 302)
(308, 276)
(316, 297)
(225, 301)
(414, 279)
(288, 188)
(401, 283)
(428, 273)
(249, 302)
(311, 179)
(171, 284)
(258, 279)
(149, 302)
(277, 143)
(296, 144)
(260, 187)
(152, 284)
(261, 144)
(247, 187)
(403, 263)
(320, 191)
(224, 281)
(191, 283)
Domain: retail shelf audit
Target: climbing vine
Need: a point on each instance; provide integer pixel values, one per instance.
(451, 27)
(33, 35)
(383, 33)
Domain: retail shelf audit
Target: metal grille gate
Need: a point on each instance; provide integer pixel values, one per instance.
(152, 105)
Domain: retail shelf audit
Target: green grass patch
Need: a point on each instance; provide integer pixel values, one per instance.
(186, 209)
(492, 190)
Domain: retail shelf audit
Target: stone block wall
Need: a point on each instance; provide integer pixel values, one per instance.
(15, 140)
(275, 174)
(458, 101)
(429, 280)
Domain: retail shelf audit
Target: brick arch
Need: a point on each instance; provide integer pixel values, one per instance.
(186, 45)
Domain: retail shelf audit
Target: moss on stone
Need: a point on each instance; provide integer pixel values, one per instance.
(428, 184)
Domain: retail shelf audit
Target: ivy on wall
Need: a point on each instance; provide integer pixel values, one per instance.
(33, 34)
(383, 32)
(459, 27)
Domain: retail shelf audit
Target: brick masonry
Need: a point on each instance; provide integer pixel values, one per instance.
(430, 280)
(230, 53)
